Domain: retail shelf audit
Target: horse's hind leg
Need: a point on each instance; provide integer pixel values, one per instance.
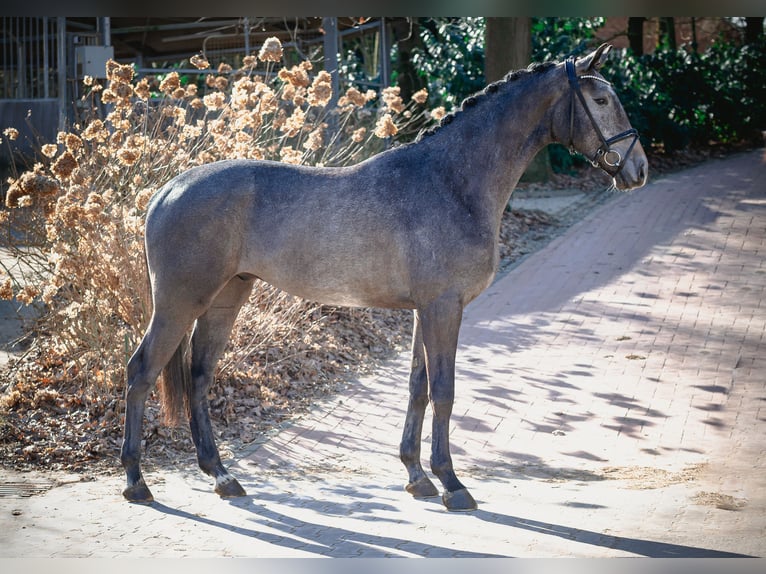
(208, 343)
(419, 484)
(161, 339)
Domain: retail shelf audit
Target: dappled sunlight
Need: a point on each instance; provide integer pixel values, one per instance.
(616, 361)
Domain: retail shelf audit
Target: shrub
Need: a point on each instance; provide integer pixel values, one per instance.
(76, 217)
(677, 98)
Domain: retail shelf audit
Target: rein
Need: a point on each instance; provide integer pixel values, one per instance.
(610, 157)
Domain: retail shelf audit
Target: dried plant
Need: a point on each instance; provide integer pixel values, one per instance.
(75, 219)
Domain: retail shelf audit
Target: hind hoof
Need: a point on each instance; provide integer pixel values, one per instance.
(228, 487)
(138, 493)
(459, 501)
(422, 488)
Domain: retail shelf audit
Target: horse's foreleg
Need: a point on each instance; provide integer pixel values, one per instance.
(440, 326)
(419, 486)
(208, 343)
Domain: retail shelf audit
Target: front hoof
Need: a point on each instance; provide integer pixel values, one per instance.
(228, 487)
(422, 488)
(138, 493)
(459, 501)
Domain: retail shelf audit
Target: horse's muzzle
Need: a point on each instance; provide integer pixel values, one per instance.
(634, 171)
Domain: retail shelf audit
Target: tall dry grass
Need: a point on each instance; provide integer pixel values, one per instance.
(75, 220)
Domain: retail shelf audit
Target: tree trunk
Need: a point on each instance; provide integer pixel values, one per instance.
(753, 29)
(407, 37)
(668, 31)
(507, 47)
(636, 35)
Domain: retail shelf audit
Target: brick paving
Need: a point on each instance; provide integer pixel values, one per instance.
(611, 402)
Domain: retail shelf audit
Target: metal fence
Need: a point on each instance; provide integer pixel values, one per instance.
(29, 63)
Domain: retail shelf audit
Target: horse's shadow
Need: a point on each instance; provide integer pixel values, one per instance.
(646, 548)
(332, 541)
(323, 539)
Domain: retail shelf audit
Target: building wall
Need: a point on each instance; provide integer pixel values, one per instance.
(708, 29)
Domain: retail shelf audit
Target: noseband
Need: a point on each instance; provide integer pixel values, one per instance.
(610, 157)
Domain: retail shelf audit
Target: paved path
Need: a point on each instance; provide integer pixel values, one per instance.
(611, 402)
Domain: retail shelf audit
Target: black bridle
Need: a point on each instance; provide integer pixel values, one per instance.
(611, 158)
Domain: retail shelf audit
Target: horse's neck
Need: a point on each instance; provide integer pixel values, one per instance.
(496, 141)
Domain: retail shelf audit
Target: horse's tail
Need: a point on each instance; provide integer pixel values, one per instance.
(174, 385)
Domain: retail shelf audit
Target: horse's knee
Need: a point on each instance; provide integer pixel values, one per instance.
(441, 405)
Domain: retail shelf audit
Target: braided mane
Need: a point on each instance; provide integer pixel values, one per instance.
(486, 94)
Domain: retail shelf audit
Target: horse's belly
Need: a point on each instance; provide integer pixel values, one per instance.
(370, 283)
(349, 295)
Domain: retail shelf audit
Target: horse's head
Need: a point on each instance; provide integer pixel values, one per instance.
(598, 126)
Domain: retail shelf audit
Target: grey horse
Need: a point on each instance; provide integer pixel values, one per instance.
(414, 227)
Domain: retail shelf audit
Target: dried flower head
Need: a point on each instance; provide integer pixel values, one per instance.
(95, 131)
(224, 68)
(27, 294)
(221, 83)
(64, 165)
(288, 92)
(296, 75)
(73, 142)
(142, 89)
(320, 92)
(314, 141)
(352, 97)
(49, 150)
(142, 198)
(122, 93)
(271, 51)
(111, 65)
(214, 101)
(385, 127)
(128, 156)
(289, 155)
(392, 99)
(30, 185)
(294, 123)
(358, 135)
(87, 80)
(170, 83)
(6, 289)
(420, 97)
(11, 133)
(199, 61)
(108, 96)
(116, 139)
(249, 62)
(119, 73)
(438, 113)
(269, 103)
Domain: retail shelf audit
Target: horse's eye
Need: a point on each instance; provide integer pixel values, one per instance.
(600, 101)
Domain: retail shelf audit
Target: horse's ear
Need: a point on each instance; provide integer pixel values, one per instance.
(594, 60)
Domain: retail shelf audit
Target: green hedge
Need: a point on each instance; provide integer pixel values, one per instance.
(679, 99)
